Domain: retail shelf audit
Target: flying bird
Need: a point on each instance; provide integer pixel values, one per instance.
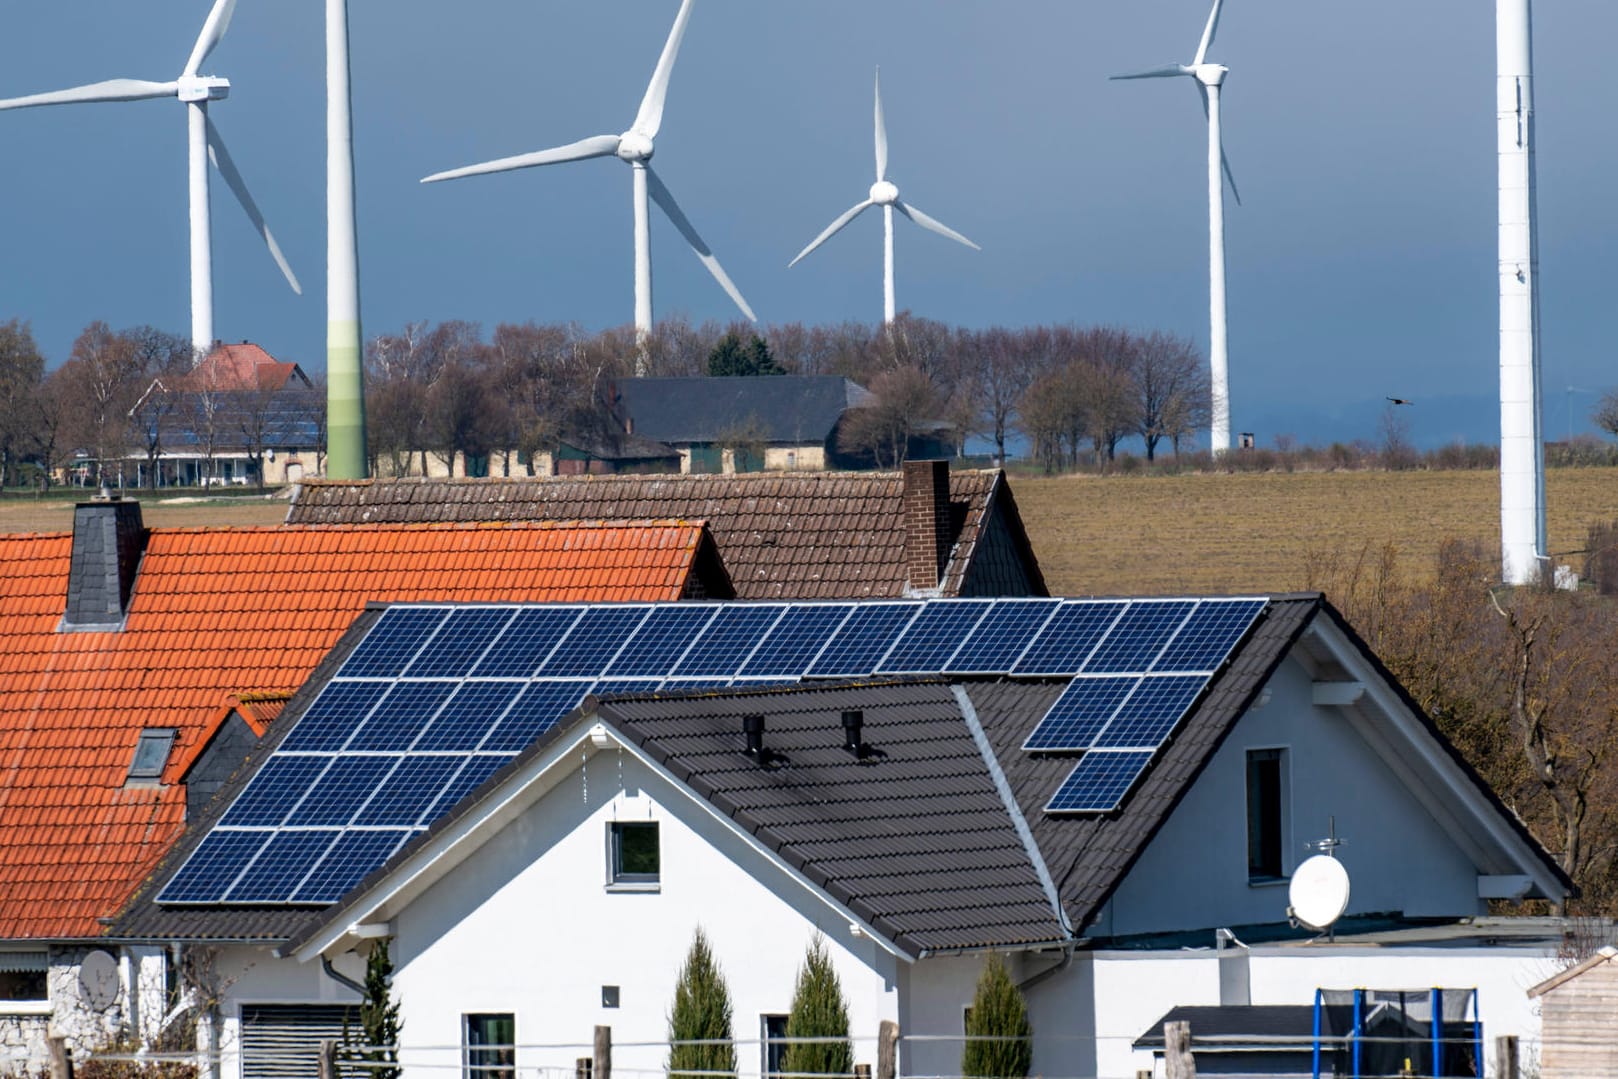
(1400, 401)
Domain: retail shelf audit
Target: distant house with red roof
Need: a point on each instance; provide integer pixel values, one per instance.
(140, 664)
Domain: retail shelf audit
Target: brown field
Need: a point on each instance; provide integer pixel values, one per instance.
(1146, 535)
(1253, 532)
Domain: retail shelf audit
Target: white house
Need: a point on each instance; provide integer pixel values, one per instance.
(911, 821)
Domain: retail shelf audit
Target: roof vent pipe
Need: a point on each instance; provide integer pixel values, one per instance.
(753, 730)
(853, 725)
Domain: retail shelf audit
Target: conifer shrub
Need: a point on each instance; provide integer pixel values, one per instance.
(700, 1012)
(998, 1012)
(818, 1011)
(379, 1015)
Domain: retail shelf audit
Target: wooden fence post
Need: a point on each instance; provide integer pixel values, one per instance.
(328, 1060)
(603, 1053)
(1505, 1056)
(61, 1062)
(1178, 1062)
(887, 1049)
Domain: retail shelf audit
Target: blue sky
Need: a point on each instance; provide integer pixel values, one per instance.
(1361, 263)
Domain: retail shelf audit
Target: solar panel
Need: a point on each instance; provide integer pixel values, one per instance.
(436, 698)
(932, 637)
(1068, 638)
(1099, 782)
(1079, 713)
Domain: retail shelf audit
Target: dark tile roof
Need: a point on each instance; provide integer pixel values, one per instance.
(799, 535)
(797, 410)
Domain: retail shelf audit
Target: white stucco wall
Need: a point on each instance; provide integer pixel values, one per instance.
(1399, 859)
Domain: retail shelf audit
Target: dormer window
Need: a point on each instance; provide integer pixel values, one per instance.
(151, 754)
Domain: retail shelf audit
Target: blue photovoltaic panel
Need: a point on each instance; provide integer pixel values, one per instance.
(1002, 635)
(864, 638)
(1208, 636)
(216, 862)
(1079, 713)
(801, 633)
(1152, 712)
(744, 682)
(692, 685)
(533, 713)
(460, 642)
(477, 768)
(530, 638)
(467, 716)
(347, 863)
(395, 723)
(279, 867)
(1068, 637)
(1099, 782)
(394, 641)
(1135, 640)
(332, 718)
(593, 641)
(729, 639)
(271, 794)
(608, 687)
(933, 636)
(342, 789)
(409, 790)
(661, 640)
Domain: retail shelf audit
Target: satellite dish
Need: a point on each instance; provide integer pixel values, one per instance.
(98, 979)
(1318, 893)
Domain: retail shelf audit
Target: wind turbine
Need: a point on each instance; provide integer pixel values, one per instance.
(1209, 78)
(634, 147)
(345, 374)
(884, 194)
(195, 91)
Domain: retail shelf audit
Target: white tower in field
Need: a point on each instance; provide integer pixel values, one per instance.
(194, 90)
(1522, 455)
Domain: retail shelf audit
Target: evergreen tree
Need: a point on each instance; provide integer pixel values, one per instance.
(379, 1014)
(701, 1012)
(998, 1011)
(818, 1011)
(730, 357)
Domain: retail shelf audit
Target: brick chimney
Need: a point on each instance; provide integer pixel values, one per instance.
(926, 510)
(108, 539)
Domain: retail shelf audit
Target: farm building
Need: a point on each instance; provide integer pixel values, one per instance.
(1092, 788)
(924, 530)
(1579, 1012)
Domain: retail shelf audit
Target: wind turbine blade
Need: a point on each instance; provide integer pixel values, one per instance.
(665, 199)
(212, 32)
(111, 90)
(930, 223)
(1167, 71)
(650, 117)
(881, 132)
(595, 146)
(832, 229)
(1208, 32)
(233, 177)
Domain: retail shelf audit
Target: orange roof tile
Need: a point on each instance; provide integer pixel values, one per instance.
(218, 612)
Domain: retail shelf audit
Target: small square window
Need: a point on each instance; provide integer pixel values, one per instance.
(489, 1045)
(151, 753)
(634, 855)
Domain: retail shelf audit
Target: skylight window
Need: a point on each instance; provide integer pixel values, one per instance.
(151, 753)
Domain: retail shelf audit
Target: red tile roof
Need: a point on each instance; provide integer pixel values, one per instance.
(241, 367)
(228, 619)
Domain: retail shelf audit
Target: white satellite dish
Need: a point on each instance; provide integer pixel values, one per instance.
(98, 980)
(1319, 892)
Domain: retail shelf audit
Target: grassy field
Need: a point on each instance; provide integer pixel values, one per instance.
(1146, 535)
(1254, 531)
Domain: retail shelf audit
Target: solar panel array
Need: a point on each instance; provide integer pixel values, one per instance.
(436, 699)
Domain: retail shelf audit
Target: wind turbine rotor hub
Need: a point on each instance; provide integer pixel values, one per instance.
(884, 193)
(633, 146)
(203, 88)
(1210, 74)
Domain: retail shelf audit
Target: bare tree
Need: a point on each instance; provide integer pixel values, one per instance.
(1605, 415)
(1171, 390)
(22, 371)
(103, 378)
(903, 400)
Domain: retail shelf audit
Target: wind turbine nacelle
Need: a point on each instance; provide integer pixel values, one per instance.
(1210, 74)
(203, 88)
(884, 193)
(633, 146)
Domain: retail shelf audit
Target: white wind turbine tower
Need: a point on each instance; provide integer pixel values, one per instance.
(884, 194)
(1522, 456)
(634, 147)
(1209, 78)
(195, 91)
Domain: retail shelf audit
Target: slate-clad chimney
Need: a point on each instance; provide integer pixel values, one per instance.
(108, 538)
(926, 510)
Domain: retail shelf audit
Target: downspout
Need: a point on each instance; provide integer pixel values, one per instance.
(1068, 948)
(339, 977)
